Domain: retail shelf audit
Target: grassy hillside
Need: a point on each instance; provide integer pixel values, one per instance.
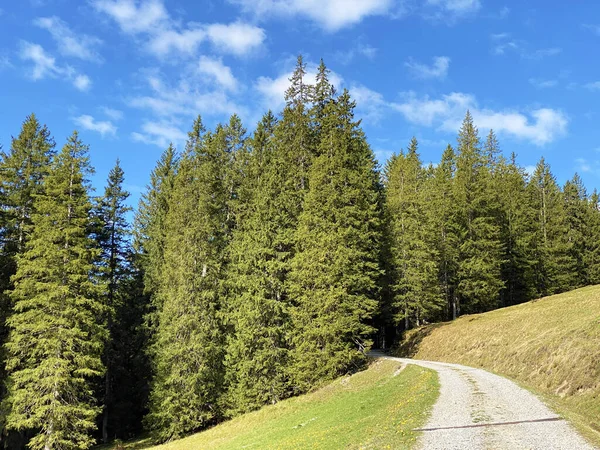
(377, 408)
(551, 346)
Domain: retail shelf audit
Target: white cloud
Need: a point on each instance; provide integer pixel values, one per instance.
(87, 122)
(543, 125)
(439, 68)
(237, 38)
(272, 90)
(186, 42)
(457, 7)
(164, 35)
(160, 133)
(134, 16)
(529, 170)
(188, 97)
(112, 113)
(332, 15)
(82, 82)
(70, 44)
(543, 84)
(370, 104)
(215, 69)
(45, 66)
(594, 86)
(540, 126)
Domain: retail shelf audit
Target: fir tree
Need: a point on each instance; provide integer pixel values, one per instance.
(551, 251)
(480, 253)
(516, 231)
(443, 216)
(335, 272)
(577, 214)
(113, 239)
(56, 338)
(413, 252)
(188, 348)
(592, 239)
(257, 311)
(22, 171)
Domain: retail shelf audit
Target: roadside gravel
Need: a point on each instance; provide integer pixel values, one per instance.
(474, 406)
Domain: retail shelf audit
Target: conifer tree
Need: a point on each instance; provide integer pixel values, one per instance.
(56, 335)
(443, 216)
(257, 311)
(112, 237)
(22, 171)
(335, 271)
(552, 260)
(150, 221)
(480, 249)
(516, 231)
(188, 348)
(577, 215)
(414, 257)
(592, 239)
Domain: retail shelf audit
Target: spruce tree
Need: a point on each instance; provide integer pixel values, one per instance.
(516, 231)
(112, 237)
(444, 219)
(188, 348)
(22, 171)
(551, 251)
(257, 310)
(480, 249)
(592, 239)
(576, 211)
(335, 271)
(150, 222)
(414, 256)
(56, 335)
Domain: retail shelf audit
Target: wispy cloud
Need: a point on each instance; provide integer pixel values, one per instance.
(111, 113)
(593, 86)
(458, 7)
(160, 133)
(88, 122)
(331, 15)
(504, 42)
(347, 56)
(594, 28)
(543, 84)
(70, 44)
(45, 66)
(221, 73)
(164, 36)
(438, 69)
(539, 126)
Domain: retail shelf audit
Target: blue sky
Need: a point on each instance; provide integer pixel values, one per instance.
(132, 74)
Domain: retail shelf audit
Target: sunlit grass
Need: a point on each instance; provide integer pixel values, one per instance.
(374, 409)
(550, 346)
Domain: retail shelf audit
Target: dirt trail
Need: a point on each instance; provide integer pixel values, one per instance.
(478, 410)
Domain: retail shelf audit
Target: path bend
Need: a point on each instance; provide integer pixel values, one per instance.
(477, 410)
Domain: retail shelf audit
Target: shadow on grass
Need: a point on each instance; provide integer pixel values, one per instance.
(137, 444)
(410, 342)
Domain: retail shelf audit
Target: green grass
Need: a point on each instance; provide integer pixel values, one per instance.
(550, 346)
(374, 409)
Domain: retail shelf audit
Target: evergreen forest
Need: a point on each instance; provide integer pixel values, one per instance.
(258, 265)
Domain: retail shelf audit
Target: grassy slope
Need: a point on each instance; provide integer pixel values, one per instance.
(551, 346)
(377, 408)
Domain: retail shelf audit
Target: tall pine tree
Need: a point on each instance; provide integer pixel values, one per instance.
(56, 335)
(335, 272)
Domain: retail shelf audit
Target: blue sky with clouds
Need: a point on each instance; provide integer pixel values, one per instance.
(132, 74)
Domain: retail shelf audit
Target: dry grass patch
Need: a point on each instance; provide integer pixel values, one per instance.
(550, 345)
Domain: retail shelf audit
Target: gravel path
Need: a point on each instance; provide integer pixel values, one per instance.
(473, 410)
